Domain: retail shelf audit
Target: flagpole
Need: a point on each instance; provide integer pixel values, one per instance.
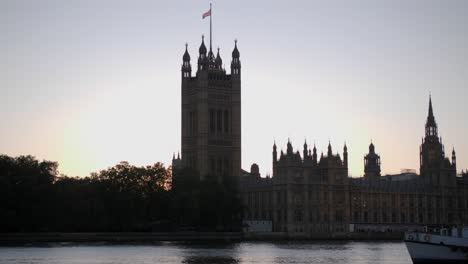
(211, 14)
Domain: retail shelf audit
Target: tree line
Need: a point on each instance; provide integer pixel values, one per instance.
(34, 197)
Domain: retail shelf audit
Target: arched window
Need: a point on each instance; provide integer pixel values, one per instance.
(226, 121)
(190, 123)
(212, 121)
(220, 119)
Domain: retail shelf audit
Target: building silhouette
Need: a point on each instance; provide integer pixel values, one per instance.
(211, 115)
(308, 196)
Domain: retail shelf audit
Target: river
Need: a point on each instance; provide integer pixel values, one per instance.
(203, 253)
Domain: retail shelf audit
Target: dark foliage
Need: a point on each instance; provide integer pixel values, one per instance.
(34, 198)
(121, 198)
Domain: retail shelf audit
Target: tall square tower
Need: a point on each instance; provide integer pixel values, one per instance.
(211, 115)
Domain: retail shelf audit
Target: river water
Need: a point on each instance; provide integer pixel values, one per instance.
(244, 252)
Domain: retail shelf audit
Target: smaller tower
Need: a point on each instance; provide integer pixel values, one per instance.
(372, 164)
(305, 151)
(218, 62)
(176, 162)
(275, 158)
(345, 155)
(330, 153)
(431, 125)
(235, 64)
(289, 150)
(211, 59)
(186, 68)
(454, 158)
(202, 59)
(255, 171)
(314, 155)
(275, 154)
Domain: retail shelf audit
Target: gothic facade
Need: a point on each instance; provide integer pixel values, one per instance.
(211, 115)
(307, 195)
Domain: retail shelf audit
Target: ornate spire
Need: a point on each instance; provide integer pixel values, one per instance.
(345, 155)
(314, 155)
(235, 52)
(186, 56)
(430, 116)
(289, 149)
(454, 157)
(431, 125)
(218, 61)
(305, 152)
(202, 50)
(275, 154)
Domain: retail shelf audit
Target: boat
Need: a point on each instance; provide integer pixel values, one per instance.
(438, 245)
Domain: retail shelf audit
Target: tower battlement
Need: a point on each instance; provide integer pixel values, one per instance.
(211, 114)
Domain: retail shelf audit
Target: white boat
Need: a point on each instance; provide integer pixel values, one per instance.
(438, 245)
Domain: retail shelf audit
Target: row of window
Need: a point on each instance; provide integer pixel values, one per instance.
(193, 123)
(220, 121)
(366, 217)
(256, 199)
(385, 217)
(405, 200)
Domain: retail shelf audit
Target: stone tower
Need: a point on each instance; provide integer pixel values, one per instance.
(372, 164)
(211, 115)
(435, 168)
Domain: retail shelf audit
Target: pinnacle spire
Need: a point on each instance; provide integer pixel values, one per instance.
(430, 115)
(202, 49)
(431, 125)
(235, 52)
(186, 56)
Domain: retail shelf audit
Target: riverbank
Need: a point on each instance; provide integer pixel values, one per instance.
(148, 237)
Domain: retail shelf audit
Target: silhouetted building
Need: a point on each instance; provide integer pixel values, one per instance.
(307, 196)
(372, 164)
(211, 115)
(435, 168)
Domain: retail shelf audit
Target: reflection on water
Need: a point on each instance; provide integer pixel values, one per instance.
(196, 253)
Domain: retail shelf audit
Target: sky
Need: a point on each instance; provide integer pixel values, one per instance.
(92, 83)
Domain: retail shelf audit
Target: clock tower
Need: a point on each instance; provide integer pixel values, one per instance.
(435, 168)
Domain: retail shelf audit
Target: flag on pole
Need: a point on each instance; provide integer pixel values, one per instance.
(207, 13)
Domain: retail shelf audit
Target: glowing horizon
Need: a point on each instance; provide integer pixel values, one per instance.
(91, 84)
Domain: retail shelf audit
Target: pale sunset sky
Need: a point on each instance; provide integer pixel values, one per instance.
(91, 83)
